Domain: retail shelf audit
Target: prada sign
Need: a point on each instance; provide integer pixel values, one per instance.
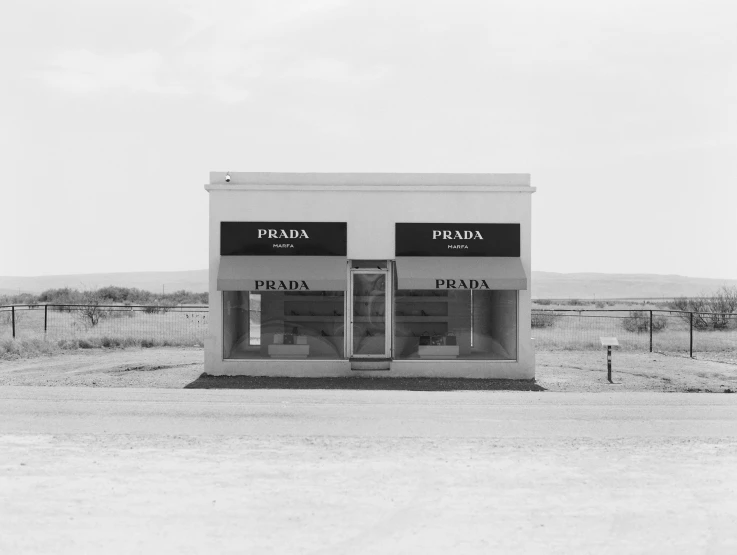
(283, 238)
(443, 239)
(281, 285)
(461, 284)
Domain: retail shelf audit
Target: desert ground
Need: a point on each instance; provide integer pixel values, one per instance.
(137, 451)
(125, 470)
(179, 367)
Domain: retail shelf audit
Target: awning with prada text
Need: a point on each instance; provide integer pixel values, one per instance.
(419, 272)
(282, 273)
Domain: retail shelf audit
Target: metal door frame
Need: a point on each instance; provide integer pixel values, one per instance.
(388, 294)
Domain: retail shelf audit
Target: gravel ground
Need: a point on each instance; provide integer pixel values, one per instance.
(86, 470)
(128, 494)
(177, 367)
(586, 371)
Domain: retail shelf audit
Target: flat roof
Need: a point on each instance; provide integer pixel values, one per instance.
(370, 181)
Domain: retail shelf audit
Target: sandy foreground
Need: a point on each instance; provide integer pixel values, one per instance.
(126, 461)
(124, 470)
(183, 367)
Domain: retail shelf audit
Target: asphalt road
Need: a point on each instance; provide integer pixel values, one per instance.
(85, 470)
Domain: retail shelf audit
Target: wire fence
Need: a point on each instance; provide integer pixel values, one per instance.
(697, 334)
(106, 325)
(711, 336)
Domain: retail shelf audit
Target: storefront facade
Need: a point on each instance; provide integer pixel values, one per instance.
(396, 275)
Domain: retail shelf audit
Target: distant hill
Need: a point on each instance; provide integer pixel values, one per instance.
(545, 285)
(551, 285)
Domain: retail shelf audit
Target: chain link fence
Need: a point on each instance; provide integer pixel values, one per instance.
(711, 336)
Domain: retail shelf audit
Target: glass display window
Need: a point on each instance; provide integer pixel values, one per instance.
(450, 324)
(283, 325)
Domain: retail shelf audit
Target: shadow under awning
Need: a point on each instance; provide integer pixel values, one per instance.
(282, 273)
(456, 272)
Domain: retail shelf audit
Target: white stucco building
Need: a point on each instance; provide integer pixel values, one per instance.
(397, 275)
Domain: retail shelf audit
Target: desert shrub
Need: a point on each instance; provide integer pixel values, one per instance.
(25, 348)
(543, 302)
(186, 297)
(111, 294)
(125, 294)
(20, 298)
(68, 344)
(9, 348)
(147, 343)
(161, 307)
(711, 312)
(544, 319)
(85, 344)
(575, 302)
(600, 304)
(722, 304)
(638, 321)
(91, 314)
(62, 296)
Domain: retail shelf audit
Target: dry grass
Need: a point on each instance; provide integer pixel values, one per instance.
(581, 332)
(13, 349)
(69, 330)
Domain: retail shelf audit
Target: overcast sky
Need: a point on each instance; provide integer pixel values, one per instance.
(112, 113)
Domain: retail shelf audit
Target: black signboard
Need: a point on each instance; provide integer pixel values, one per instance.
(283, 238)
(443, 239)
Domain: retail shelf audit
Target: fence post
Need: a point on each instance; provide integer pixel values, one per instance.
(12, 317)
(46, 317)
(690, 347)
(651, 331)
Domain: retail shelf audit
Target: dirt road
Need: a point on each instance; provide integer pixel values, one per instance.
(87, 470)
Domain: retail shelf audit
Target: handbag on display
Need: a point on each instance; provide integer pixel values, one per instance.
(437, 339)
(450, 339)
(425, 338)
(278, 339)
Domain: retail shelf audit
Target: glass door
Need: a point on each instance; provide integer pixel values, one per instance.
(369, 300)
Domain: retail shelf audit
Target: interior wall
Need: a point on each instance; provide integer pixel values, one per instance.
(232, 321)
(504, 320)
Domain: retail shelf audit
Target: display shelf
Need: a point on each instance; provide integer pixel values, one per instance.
(326, 309)
(288, 351)
(438, 351)
(420, 318)
(372, 319)
(315, 318)
(422, 300)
